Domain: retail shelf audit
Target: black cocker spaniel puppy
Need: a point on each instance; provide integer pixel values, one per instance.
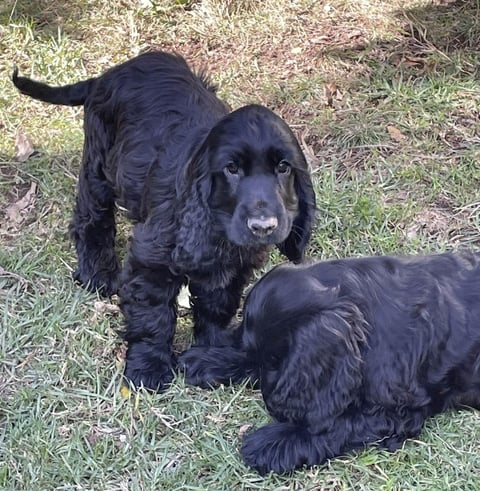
(352, 352)
(210, 191)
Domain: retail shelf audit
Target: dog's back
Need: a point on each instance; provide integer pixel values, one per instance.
(137, 82)
(143, 118)
(400, 284)
(421, 313)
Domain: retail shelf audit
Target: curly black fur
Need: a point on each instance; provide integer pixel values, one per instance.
(210, 191)
(352, 352)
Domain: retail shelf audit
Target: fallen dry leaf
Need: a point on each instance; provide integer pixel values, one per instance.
(23, 147)
(27, 360)
(125, 392)
(331, 92)
(413, 61)
(64, 430)
(418, 62)
(243, 429)
(106, 308)
(309, 152)
(17, 211)
(354, 34)
(103, 308)
(395, 133)
(120, 353)
(320, 40)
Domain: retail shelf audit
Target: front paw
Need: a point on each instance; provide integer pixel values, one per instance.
(149, 368)
(105, 283)
(281, 448)
(156, 381)
(198, 367)
(211, 366)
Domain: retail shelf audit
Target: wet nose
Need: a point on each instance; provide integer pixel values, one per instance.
(262, 227)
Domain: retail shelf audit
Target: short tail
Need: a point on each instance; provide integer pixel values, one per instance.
(67, 95)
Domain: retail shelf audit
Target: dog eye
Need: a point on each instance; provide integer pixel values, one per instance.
(232, 168)
(283, 167)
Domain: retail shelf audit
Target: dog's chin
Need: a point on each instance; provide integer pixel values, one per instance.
(244, 237)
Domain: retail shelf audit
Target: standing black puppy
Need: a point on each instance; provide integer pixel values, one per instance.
(210, 192)
(352, 352)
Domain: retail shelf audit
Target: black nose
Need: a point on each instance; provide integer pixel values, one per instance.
(262, 226)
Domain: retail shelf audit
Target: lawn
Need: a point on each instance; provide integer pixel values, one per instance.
(385, 98)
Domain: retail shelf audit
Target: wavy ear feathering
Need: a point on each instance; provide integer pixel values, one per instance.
(194, 247)
(294, 245)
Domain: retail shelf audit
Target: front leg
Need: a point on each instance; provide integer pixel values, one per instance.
(210, 366)
(148, 301)
(286, 446)
(213, 309)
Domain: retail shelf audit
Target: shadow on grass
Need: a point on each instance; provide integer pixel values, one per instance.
(47, 15)
(435, 44)
(450, 26)
(432, 37)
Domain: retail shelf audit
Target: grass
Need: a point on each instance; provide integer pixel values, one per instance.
(384, 96)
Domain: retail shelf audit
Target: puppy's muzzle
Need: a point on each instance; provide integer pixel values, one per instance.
(263, 226)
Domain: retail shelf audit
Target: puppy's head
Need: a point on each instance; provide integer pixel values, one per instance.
(261, 191)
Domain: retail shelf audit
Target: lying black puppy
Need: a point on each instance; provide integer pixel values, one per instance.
(210, 191)
(352, 352)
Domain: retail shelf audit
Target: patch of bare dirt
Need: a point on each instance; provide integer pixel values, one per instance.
(445, 224)
(18, 202)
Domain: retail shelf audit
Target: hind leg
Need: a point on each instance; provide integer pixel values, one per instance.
(93, 223)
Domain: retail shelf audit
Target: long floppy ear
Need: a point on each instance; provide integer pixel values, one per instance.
(317, 374)
(194, 248)
(294, 245)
